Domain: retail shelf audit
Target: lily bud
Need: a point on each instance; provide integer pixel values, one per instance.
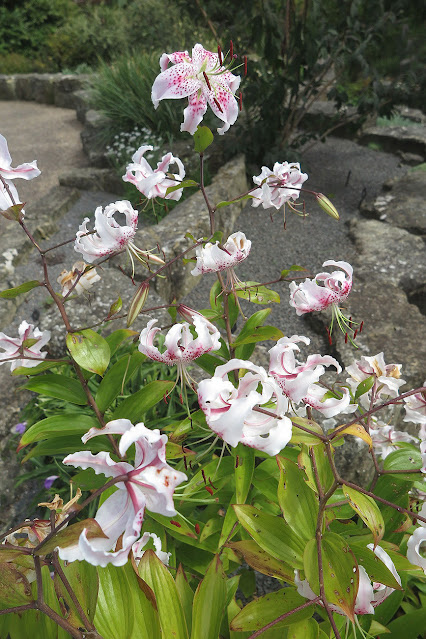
(138, 302)
(327, 206)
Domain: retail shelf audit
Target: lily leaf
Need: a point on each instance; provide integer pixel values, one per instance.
(19, 290)
(89, 350)
(203, 137)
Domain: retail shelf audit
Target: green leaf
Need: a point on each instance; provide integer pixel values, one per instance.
(223, 203)
(340, 571)
(299, 436)
(83, 579)
(375, 568)
(411, 625)
(185, 594)
(368, 510)
(262, 334)
(405, 458)
(10, 293)
(293, 268)
(257, 293)
(117, 337)
(138, 404)
(262, 561)
(123, 611)
(14, 587)
(254, 331)
(58, 386)
(203, 137)
(89, 350)
(272, 534)
(306, 629)
(297, 501)
(365, 386)
(243, 471)
(377, 628)
(182, 185)
(70, 535)
(263, 610)
(88, 480)
(325, 473)
(170, 611)
(209, 602)
(116, 378)
(209, 363)
(228, 524)
(67, 444)
(58, 425)
(393, 488)
(40, 368)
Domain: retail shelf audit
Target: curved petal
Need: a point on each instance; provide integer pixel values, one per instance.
(178, 81)
(194, 112)
(101, 463)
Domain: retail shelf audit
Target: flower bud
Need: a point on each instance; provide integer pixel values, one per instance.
(327, 206)
(137, 303)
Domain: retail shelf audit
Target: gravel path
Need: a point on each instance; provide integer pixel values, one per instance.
(345, 172)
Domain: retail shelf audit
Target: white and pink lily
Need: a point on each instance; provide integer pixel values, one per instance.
(211, 258)
(279, 185)
(415, 410)
(385, 438)
(326, 289)
(298, 381)
(387, 378)
(204, 81)
(150, 484)
(417, 543)
(369, 596)
(230, 411)
(29, 344)
(9, 196)
(110, 237)
(154, 183)
(181, 346)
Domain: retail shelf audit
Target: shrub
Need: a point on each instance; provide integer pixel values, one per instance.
(122, 92)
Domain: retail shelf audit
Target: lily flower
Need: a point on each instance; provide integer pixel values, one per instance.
(326, 289)
(385, 438)
(26, 171)
(181, 347)
(230, 412)
(369, 596)
(154, 183)
(299, 380)
(150, 484)
(415, 410)
(416, 542)
(279, 185)
(139, 549)
(211, 258)
(204, 81)
(387, 378)
(77, 279)
(110, 237)
(29, 344)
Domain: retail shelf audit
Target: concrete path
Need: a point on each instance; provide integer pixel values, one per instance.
(45, 133)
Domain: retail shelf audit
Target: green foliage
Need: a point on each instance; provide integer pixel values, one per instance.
(122, 92)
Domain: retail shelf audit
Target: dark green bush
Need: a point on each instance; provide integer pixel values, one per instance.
(122, 92)
(24, 26)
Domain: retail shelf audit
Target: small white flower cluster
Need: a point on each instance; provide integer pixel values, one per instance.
(126, 142)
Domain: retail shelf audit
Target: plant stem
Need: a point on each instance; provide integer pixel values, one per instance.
(284, 616)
